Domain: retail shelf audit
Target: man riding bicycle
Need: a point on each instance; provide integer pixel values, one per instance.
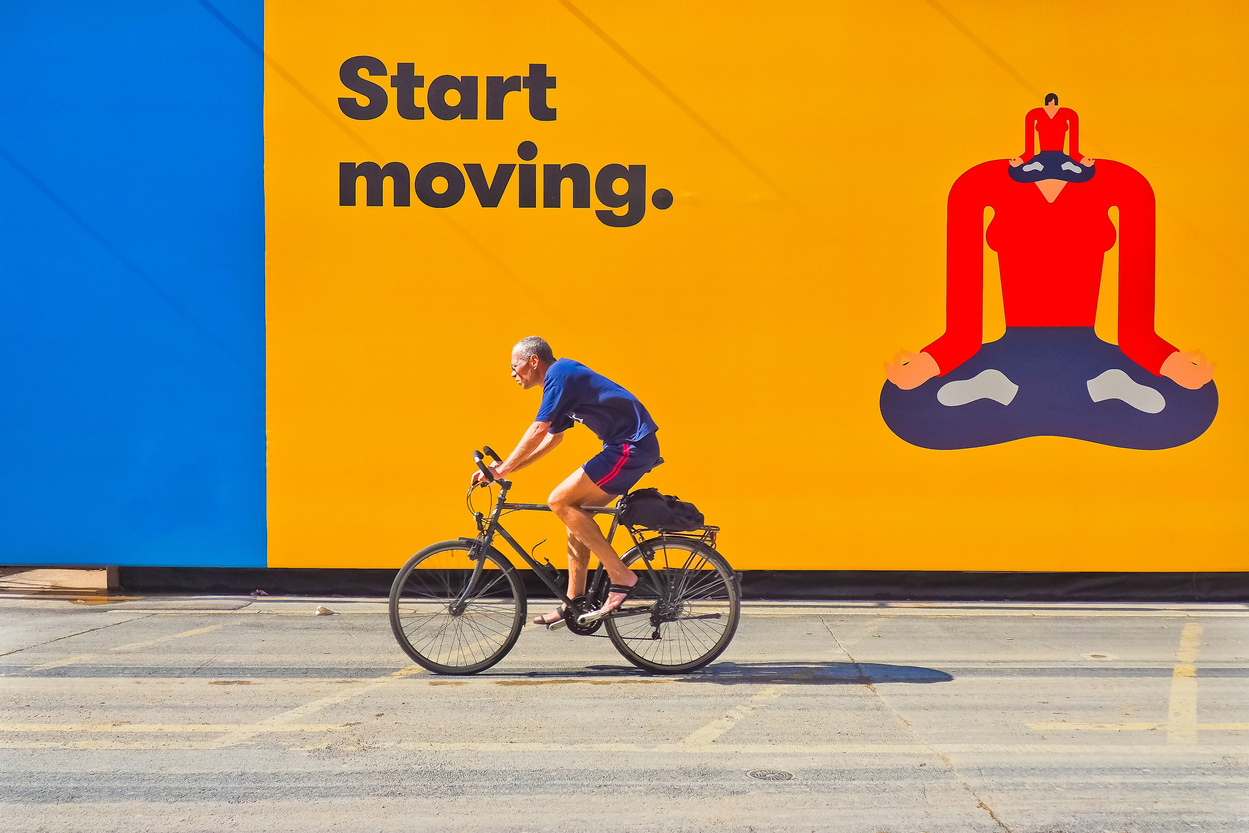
(571, 392)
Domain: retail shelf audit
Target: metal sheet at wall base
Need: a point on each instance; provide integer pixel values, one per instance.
(807, 585)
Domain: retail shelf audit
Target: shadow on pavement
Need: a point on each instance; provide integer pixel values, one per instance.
(790, 673)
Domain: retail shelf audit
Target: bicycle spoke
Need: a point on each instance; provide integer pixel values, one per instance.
(453, 613)
(692, 592)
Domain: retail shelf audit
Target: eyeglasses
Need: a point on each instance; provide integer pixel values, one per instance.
(520, 363)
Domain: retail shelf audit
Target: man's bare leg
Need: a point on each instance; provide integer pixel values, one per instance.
(576, 491)
(578, 563)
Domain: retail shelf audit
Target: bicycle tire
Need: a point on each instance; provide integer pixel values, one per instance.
(693, 603)
(428, 628)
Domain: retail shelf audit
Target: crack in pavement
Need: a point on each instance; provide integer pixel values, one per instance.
(911, 728)
(80, 633)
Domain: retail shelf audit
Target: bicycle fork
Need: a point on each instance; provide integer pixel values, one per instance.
(458, 606)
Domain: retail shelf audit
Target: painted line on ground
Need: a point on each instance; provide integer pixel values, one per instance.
(707, 734)
(1135, 727)
(136, 645)
(1181, 725)
(59, 663)
(231, 734)
(246, 733)
(1182, 709)
(1125, 754)
(74, 660)
(160, 728)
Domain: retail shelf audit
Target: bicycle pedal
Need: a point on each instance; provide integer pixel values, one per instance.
(554, 626)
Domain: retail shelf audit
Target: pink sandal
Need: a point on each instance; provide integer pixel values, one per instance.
(625, 591)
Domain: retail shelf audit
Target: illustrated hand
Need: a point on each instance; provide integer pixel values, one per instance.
(479, 477)
(1189, 369)
(1085, 160)
(1016, 162)
(910, 370)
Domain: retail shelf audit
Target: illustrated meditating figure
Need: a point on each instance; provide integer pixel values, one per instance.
(1052, 126)
(1050, 375)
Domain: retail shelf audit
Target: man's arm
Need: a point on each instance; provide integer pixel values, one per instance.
(535, 443)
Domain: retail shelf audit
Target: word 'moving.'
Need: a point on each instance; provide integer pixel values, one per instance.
(444, 184)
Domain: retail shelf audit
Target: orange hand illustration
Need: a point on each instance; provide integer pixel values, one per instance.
(1190, 369)
(910, 370)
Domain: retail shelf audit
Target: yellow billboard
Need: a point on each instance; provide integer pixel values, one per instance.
(743, 214)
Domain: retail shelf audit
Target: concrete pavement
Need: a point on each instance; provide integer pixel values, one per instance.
(225, 713)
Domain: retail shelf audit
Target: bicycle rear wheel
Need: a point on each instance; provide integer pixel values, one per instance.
(684, 611)
(447, 621)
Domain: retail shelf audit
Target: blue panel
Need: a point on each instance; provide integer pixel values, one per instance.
(132, 386)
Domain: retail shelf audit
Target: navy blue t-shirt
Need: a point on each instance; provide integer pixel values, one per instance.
(573, 392)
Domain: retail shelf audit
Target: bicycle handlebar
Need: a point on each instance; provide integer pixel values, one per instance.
(485, 470)
(490, 453)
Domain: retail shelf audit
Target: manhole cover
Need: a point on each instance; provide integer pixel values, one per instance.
(770, 774)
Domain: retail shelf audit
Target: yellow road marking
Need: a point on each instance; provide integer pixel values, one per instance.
(835, 749)
(231, 734)
(982, 613)
(720, 725)
(136, 645)
(1098, 752)
(1134, 727)
(57, 663)
(1182, 714)
(246, 733)
(1181, 724)
(159, 728)
(130, 647)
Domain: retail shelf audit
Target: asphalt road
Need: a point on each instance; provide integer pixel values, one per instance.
(233, 714)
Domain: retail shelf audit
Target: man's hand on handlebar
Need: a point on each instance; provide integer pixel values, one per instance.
(479, 476)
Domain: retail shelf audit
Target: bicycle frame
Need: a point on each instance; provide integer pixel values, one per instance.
(487, 529)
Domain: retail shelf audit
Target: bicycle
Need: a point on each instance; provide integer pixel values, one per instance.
(458, 606)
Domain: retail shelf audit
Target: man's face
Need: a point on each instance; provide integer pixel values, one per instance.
(525, 371)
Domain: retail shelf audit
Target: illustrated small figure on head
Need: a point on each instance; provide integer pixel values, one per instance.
(1053, 126)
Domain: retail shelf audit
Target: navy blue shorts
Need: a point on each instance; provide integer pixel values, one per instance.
(619, 466)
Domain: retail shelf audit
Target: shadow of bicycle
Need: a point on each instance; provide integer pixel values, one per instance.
(798, 673)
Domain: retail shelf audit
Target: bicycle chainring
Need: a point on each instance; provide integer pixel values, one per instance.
(580, 605)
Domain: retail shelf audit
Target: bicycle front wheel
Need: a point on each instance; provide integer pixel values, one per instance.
(452, 618)
(684, 611)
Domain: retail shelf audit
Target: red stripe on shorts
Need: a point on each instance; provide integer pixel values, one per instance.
(619, 465)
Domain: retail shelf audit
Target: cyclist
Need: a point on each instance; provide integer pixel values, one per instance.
(572, 392)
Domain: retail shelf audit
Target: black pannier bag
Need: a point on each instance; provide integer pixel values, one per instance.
(649, 509)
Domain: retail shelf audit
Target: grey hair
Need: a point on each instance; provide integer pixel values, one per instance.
(534, 346)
